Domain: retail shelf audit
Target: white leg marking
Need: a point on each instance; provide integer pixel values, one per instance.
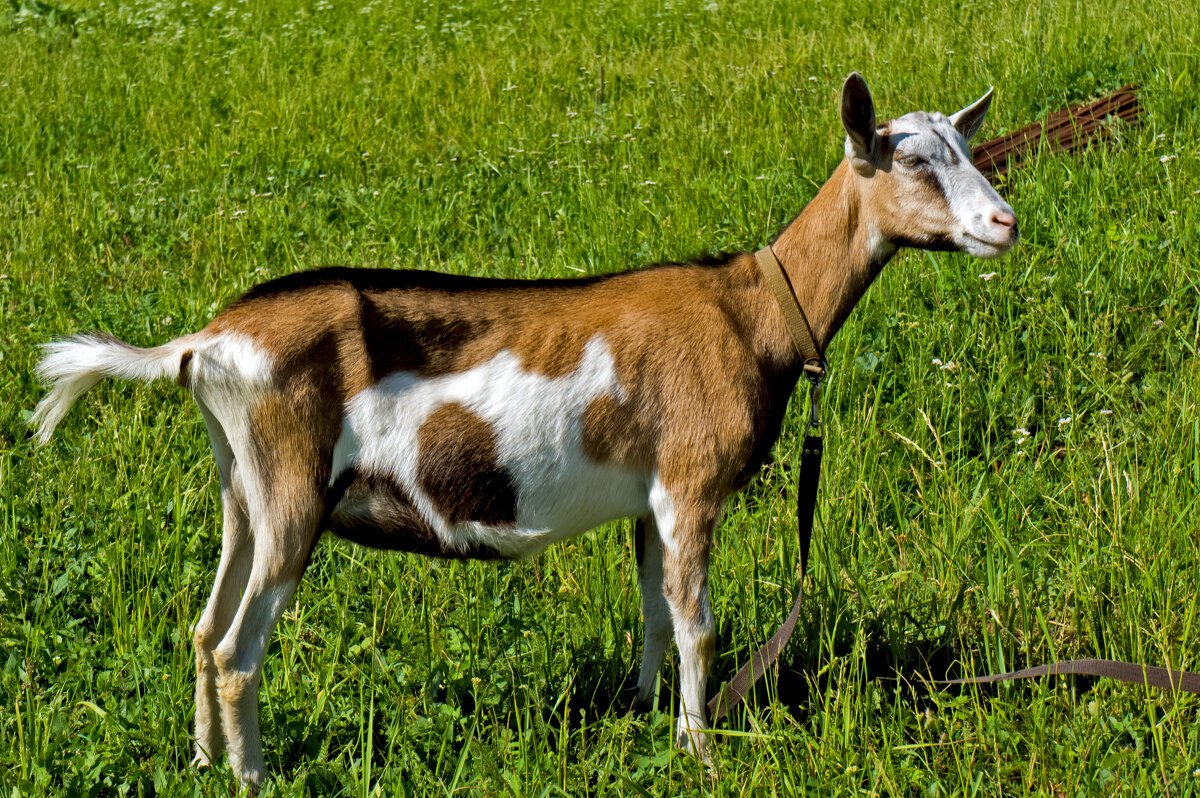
(664, 514)
(282, 533)
(694, 637)
(237, 550)
(239, 660)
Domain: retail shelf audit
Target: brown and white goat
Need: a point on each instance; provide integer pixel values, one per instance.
(462, 417)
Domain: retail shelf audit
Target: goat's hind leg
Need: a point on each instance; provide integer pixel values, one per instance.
(237, 549)
(656, 615)
(284, 533)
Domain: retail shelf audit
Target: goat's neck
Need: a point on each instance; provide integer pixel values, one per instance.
(831, 253)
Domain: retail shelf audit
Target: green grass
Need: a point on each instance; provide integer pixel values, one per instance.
(1032, 497)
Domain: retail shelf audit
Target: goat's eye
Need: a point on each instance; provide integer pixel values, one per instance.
(912, 160)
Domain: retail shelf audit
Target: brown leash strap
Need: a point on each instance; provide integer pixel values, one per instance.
(1162, 678)
(793, 315)
(739, 686)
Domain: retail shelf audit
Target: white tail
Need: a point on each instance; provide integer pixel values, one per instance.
(74, 365)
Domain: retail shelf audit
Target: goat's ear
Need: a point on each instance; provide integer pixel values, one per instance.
(858, 117)
(970, 119)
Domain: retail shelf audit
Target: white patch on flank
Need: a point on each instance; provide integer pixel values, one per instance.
(230, 360)
(538, 422)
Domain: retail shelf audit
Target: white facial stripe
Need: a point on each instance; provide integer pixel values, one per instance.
(538, 423)
(931, 136)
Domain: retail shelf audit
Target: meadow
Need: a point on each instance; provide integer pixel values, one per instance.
(1012, 453)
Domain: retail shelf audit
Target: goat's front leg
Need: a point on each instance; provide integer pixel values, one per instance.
(656, 615)
(686, 529)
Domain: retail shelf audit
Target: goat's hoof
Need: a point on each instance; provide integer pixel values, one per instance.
(250, 780)
(637, 703)
(693, 738)
(251, 786)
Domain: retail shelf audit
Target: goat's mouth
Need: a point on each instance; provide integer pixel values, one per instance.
(988, 248)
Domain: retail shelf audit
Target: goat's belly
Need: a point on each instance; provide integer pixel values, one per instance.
(487, 462)
(462, 521)
(375, 511)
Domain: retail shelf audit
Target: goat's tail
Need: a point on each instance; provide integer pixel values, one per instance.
(72, 366)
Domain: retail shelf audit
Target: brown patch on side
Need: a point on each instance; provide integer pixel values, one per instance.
(620, 433)
(433, 333)
(375, 511)
(457, 466)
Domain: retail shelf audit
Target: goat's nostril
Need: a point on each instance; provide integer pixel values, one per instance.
(1004, 219)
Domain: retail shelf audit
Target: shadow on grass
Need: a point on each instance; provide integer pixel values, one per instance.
(897, 649)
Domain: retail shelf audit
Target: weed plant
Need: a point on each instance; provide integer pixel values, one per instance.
(1013, 447)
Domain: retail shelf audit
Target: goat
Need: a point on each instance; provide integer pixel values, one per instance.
(462, 417)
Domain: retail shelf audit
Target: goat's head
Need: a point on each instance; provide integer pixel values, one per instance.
(918, 185)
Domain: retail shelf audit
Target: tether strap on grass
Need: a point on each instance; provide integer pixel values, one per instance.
(1162, 678)
(739, 686)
